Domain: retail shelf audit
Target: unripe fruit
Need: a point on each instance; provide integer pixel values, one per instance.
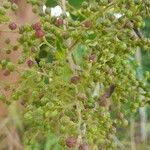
(30, 63)
(7, 41)
(14, 7)
(71, 142)
(15, 48)
(7, 5)
(84, 147)
(65, 35)
(120, 115)
(37, 26)
(39, 34)
(85, 5)
(87, 24)
(75, 79)
(12, 26)
(10, 67)
(8, 51)
(59, 21)
(33, 49)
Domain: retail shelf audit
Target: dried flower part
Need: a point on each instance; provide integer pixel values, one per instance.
(75, 79)
(84, 147)
(110, 91)
(93, 58)
(87, 24)
(71, 142)
(59, 21)
(30, 63)
(103, 100)
(82, 96)
(12, 26)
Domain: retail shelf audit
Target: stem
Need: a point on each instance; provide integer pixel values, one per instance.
(79, 114)
(26, 69)
(71, 62)
(47, 43)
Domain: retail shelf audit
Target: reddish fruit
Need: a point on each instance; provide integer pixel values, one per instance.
(93, 58)
(87, 24)
(84, 147)
(71, 142)
(59, 21)
(39, 34)
(12, 26)
(37, 26)
(6, 73)
(75, 79)
(14, 1)
(30, 63)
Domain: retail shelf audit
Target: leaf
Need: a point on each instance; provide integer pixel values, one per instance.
(52, 143)
(66, 73)
(60, 52)
(76, 3)
(79, 52)
(51, 3)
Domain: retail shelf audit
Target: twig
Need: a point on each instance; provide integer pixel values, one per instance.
(78, 107)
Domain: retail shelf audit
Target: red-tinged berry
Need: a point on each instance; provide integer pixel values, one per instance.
(93, 58)
(6, 73)
(71, 142)
(14, 1)
(59, 21)
(87, 24)
(30, 63)
(39, 34)
(84, 147)
(12, 26)
(37, 26)
(75, 79)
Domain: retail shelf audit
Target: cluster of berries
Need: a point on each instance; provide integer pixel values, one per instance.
(38, 30)
(71, 142)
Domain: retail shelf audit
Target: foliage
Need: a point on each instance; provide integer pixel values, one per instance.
(80, 80)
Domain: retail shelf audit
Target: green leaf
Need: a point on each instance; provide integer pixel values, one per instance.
(60, 52)
(51, 3)
(66, 73)
(79, 52)
(52, 143)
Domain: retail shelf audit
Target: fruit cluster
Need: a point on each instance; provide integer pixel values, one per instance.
(81, 81)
